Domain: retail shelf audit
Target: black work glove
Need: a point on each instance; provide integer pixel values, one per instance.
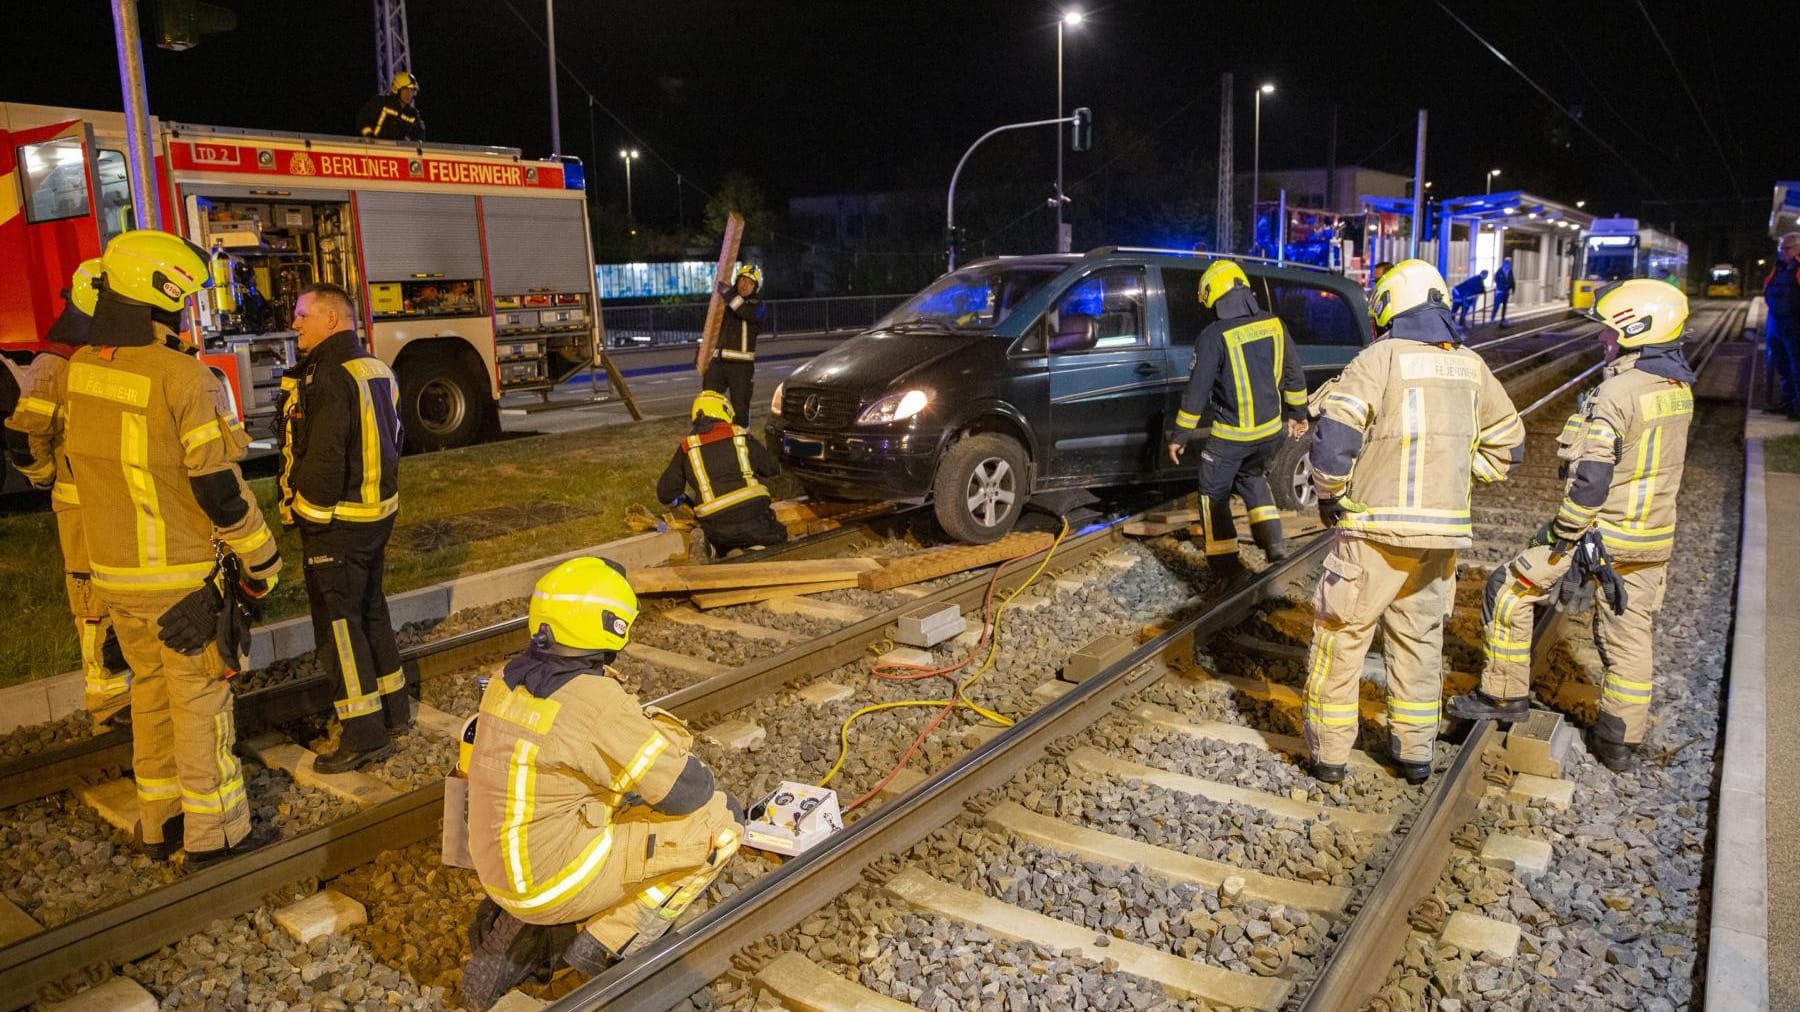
(193, 622)
(1594, 563)
(725, 291)
(1331, 510)
(1547, 536)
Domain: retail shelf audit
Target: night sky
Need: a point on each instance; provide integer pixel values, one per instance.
(817, 98)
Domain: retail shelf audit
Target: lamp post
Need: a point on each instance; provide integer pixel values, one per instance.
(1491, 173)
(1069, 20)
(1256, 158)
(628, 155)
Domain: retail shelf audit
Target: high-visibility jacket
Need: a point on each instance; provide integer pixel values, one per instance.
(547, 776)
(1626, 450)
(153, 438)
(35, 437)
(721, 462)
(385, 117)
(340, 436)
(1246, 370)
(1406, 426)
(738, 331)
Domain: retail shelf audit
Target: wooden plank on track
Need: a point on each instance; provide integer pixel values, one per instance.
(715, 305)
(277, 752)
(688, 616)
(1092, 760)
(1147, 529)
(769, 595)
(935, 562)
(15, 923)
(806, 986)
(1180, 977)
(739, 575)
(1120, 851)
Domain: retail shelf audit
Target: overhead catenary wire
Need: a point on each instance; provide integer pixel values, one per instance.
(1681, 77)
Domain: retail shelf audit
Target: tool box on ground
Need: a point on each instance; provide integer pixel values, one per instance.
(930, 624)
(793, 818)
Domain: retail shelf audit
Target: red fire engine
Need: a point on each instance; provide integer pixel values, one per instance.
(472, 267)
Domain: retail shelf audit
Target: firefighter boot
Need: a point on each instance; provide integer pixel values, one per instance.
(1415, 773)
(509, 951)
(1478, 705)
(1615, 755)
(171, 840)
(1228, 570)
(1326, 773)
(589, 955)
(1270, 539)
(261, 835)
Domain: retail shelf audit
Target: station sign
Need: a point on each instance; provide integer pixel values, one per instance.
(318, 163)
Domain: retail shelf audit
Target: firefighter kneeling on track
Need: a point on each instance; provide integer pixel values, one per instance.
(722, 462)
(1247, 371)
(35, 434)
(591, 825)
(1401, 432)
(1624, 451)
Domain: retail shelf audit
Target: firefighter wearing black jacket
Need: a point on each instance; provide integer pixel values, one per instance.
(733, 368)
(393, 117)
(1248, 373)
(722, 463)
(339, 481)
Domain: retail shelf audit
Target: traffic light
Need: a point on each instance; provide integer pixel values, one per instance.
(1081, 132)
(180, 23)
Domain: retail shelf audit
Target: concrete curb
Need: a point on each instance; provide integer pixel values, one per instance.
(1737, 963)
(60, 695)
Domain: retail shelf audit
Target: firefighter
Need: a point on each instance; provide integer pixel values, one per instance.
(339, 483)
(733, 368)
(1625, 450)
(393, 117)
(1410, 421)
(34, 434)
(1247, 373)
(723, 463)
(153, 439)
(1781, 330)
(591, 824)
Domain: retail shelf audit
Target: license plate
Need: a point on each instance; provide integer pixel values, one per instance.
(801, 447)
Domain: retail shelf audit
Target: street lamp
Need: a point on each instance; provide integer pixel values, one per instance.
(1256, 158)
(1070, 19)
(628, 155)
(1491, 173)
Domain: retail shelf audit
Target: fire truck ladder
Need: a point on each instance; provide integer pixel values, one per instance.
(393, 49)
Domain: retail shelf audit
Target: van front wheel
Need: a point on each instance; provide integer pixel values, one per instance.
(981, 488)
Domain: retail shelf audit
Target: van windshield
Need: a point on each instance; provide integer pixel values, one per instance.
(974, 298)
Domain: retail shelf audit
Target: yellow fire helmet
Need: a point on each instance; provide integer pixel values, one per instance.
(159, 269)
(1220, 278)
(586, 604)
(713, 404)
(751, 271)
(84, 286)
(1409, 285)
(405, 79)
(1642, 311)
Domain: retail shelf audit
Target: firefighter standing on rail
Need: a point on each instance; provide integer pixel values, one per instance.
(35, 436)
(723, 463)
(591, 824)
(1616, 525)
(339, 483)
(1400, 435)
(393, 116)
(153, 439)
(733, 368)
(1248, 373)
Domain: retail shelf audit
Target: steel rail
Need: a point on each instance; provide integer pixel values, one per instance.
(1497, 341)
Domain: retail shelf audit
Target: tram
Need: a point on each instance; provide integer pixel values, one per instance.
(1614, 249)
(1724, 282)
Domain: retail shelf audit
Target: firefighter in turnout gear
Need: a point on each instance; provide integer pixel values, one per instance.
(34, 435)
(153, 439)
(1623, 452)
(1247, 374)
(393, 116)
(733, 368)
(1400, 435)
(722, 464)
(591, 824)
(339, 483)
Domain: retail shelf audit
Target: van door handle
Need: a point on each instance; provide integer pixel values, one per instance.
(1149, 369)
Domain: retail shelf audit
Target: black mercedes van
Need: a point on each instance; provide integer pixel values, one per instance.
(1020, 375)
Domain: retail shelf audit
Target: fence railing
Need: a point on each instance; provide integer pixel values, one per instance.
(679, 323)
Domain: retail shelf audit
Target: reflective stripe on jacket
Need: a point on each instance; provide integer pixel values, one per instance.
(739, 330)
(722, 463)
(1631, 442)
(1246, 371)
(340, 436)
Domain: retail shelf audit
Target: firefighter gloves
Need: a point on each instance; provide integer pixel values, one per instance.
(192, 622)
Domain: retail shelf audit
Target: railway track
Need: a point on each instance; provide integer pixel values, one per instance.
(703, 952)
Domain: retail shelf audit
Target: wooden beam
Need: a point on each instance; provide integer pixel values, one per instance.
(937, 562)
(738, 575)
(715, 306)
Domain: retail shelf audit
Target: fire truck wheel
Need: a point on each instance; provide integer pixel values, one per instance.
(442, 404)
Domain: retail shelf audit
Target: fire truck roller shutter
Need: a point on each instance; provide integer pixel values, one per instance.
(537, 243)
(405, 235)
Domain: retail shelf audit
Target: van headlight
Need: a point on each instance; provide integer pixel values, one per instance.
(775, 401)
(894, 408)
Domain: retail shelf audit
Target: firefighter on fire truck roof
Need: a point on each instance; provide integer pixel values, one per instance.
(393, 116)
(723, 463)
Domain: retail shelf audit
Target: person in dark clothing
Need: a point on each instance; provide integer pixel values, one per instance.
(1247, 372)
(1465, 295)
(1503, 286)
(1781, 292)
(733, 368)
(339, 482)
(393, 117)
(721, 463)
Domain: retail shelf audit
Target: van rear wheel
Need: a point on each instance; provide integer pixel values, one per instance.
(981, 488)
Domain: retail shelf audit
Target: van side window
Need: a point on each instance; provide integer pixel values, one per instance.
(1187, 317)
(1316, 316)
(1102, 312)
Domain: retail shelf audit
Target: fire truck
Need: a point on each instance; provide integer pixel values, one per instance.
(471, 267)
